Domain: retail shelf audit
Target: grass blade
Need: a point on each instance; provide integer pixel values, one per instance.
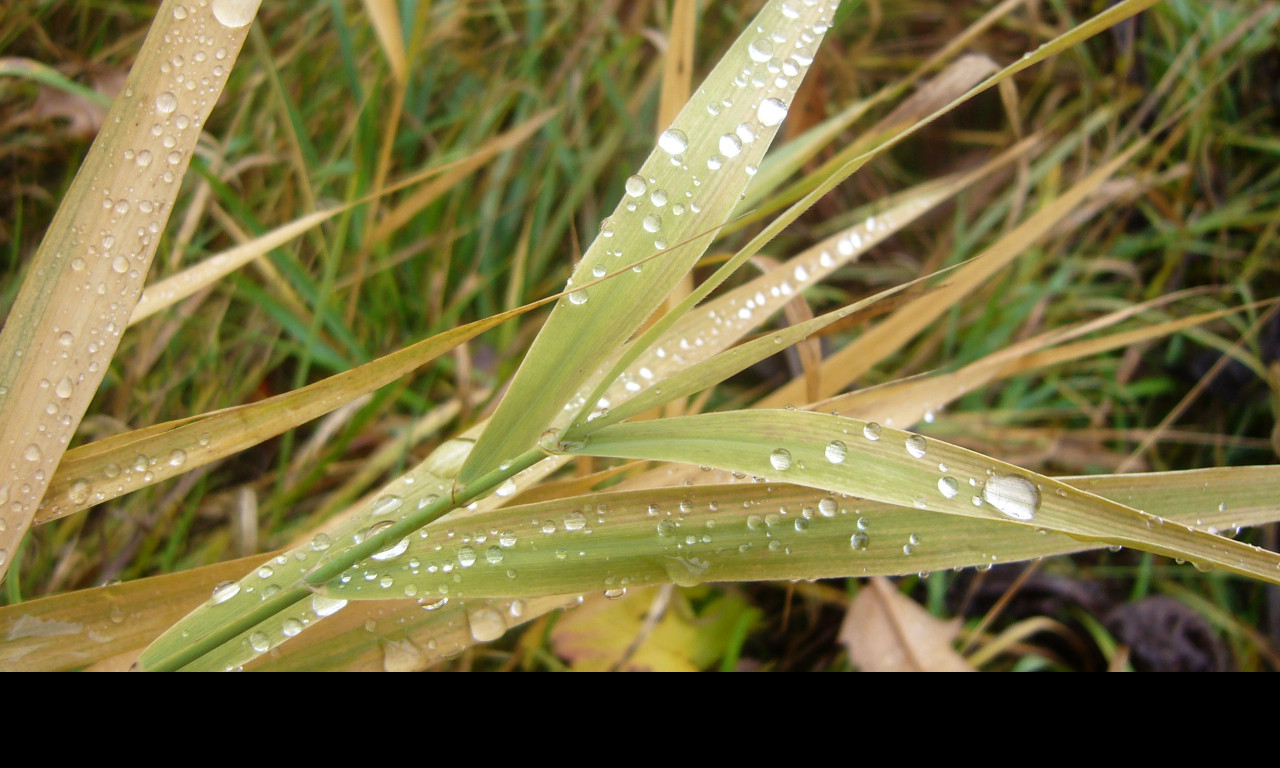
(675, 205)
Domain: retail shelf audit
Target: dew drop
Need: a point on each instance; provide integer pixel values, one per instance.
(1014, 495)
(385, 504)
(392, 551)
(673, 141)
(486, 624)
(730, 145)
(771, 111)
(166, 102)
(948, 487)
(323, 606)
(234, 13)
(224, 592)
(636, 186)
(260, 642)
(760, 51)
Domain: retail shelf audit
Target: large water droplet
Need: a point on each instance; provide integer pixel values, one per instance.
(771, 111)
(260, 642)
(1014, 495)
(948, 487)
(392, 551)
(323, 606)
(386, 504)
(166, 102)
(234, 13)
(636, 186)
(224, 592)
(486, 624)
(673, 141)
(760, 50)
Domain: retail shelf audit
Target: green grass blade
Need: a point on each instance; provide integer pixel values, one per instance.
(674, 206)
(905, 469)
(752, 532)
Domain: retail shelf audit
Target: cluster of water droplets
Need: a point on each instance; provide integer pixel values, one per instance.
(665, 205)
(106, 254)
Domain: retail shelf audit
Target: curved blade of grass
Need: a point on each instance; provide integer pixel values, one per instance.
(86, 276)
(906, 470)
(721, 322)
(754, 532)
(682, 195)
(95, 473)
(648, 338)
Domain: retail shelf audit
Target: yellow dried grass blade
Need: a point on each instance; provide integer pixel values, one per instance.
(385, 18)
(110, 468)
(677, 202)
(87, 274)
(82, 628)
(904, 469)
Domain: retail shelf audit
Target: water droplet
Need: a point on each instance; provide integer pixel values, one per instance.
(224, 592)
(323, 606)
(836, 452)
(948, 487)
(385, 505)
(429, 604)
(1014, 495)
(636, 186)
(760, 51)
(392, 551)
(486, 624)
(166, 102)
(916, 446)
(673, 141)
(466, 557)
(871, 431)
(234, 13)
(771, 111)
(260, 642)
(780, 459)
